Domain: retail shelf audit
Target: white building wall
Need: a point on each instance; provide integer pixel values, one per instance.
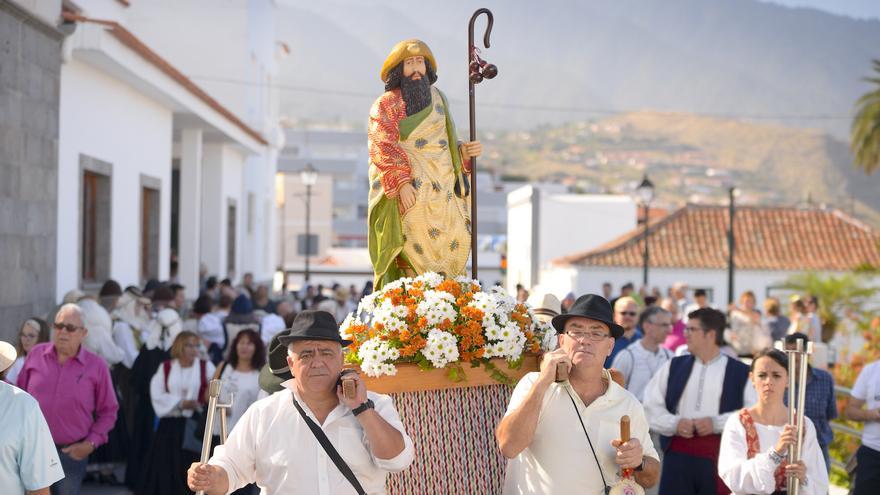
(222, 182)
(572, 223)
(543, 225)
(94, 107)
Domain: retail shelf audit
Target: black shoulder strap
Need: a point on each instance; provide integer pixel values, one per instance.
(329, 449)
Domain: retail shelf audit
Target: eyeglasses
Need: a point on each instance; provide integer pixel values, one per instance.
(594, 336)
(70, 327)
(628, 313)
(663, 324)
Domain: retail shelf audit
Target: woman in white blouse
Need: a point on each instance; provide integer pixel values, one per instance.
(755, 442)
(32, 332)
(177, 390)
(240, 374)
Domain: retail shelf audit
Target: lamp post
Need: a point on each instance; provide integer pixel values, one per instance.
(646, 194)
(308, 176)
(731, 242)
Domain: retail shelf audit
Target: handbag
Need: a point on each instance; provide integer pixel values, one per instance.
(329, 448)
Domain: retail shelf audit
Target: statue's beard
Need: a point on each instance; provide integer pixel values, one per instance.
(416, 94)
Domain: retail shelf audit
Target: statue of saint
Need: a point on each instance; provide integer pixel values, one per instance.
(419, 217)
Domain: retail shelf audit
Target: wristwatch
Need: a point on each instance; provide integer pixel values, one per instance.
(775, 456)
(641, 466)
(363, 407)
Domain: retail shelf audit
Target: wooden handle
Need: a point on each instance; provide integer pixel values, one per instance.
(349, 388)
(624, 429)
(561, 372)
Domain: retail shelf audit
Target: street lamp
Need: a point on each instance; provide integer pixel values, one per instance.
(646, 194)
(731, 242)
(308, 176)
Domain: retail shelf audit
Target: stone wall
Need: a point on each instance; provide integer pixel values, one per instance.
(30, 68)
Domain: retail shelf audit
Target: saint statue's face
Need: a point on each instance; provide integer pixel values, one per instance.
(414, 68)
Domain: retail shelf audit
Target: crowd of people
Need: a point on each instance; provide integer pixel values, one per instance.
(120, 379)
(711, 391)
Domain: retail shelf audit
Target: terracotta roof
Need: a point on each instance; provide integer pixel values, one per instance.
(767, 238)
(134, 43)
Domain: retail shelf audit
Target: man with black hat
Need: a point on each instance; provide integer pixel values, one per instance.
(287, 442)
(562, 437)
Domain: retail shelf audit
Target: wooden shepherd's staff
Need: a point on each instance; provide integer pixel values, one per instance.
(478, 69)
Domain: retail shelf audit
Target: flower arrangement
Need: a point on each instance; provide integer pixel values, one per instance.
(438, 322)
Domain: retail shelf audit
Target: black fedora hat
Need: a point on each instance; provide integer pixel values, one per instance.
(313, 325)
(594, 307)
(275, 371)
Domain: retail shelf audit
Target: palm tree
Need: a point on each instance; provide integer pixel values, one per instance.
(865, 131)
(839, 295)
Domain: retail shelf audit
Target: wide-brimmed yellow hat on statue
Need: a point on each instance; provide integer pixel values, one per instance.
(404, 50)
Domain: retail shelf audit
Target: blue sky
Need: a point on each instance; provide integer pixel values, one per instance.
(862, 9)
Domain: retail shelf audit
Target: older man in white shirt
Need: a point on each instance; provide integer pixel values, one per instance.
(562, 437)
(273, 446)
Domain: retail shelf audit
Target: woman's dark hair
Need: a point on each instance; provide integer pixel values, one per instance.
(774, 354)
(259, 358)
(392, 80)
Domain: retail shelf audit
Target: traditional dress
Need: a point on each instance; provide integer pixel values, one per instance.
(165, 466)
(273, 447)
(746, 467)
(686, 387)
(559, 459)
(422, 150)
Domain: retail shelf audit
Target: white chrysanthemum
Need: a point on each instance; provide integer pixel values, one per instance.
(347, 323)
(376, 356)
(368, 303)
(440, 348)
(430, 279)
(436, 307)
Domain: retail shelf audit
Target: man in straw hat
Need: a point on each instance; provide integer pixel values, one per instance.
(562, 437)
(275, 444)
(418, 212)
(28, 461)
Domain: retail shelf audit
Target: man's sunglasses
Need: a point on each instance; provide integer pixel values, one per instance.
(628, 313)
(67, 326)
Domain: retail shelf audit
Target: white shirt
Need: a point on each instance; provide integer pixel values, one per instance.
(638, 365)
(559, 460)
(123, 335)
(99, 339)
(28, 459)
(183, 384)
(14, 370)
(867, 388)
(211, 328)
(273, 447)
(756, 475)
(271, 325)
(242, 388)
(701, 397)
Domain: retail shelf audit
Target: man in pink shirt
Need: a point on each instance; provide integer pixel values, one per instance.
(73, 388)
